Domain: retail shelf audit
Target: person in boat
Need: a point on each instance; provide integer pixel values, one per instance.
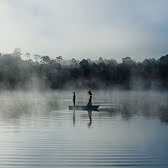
(74, 98)
(90, 99)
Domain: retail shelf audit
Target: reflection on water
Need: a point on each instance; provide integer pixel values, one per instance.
(90, 118)
(39, 131)
(89, 115)
(74, 118)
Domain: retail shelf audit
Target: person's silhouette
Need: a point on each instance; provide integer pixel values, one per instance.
(90, 99)
(74, 98)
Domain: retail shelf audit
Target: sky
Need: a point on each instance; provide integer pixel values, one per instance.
(79, 29)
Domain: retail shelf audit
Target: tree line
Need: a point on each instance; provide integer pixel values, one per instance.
(57, 73)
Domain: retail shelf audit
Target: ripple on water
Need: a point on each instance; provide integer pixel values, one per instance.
(46, 141)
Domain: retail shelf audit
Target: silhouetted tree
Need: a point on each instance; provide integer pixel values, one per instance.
(59, 73)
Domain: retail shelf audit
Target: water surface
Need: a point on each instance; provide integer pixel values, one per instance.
(38, 130)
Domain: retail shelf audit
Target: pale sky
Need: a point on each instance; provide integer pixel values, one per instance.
(85, 28)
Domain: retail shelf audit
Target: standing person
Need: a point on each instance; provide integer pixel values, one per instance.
(90, 99)
(74, 98)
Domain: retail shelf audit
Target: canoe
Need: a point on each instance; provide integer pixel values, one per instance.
(92, 108)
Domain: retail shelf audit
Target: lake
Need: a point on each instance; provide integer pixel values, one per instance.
(129, 130)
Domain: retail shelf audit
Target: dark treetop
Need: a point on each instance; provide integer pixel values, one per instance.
(16, 73)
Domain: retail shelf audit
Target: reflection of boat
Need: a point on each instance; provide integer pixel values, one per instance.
(93, 108)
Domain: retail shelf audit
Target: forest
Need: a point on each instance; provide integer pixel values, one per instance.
(43, 72)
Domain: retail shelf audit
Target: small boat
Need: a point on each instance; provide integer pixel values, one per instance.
(93, 108)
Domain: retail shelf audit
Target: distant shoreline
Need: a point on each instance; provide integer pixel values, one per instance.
(45, 73)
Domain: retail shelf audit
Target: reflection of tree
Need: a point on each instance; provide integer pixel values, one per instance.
(163, 114)
(144, 107)
(13, 109)
(126, 112)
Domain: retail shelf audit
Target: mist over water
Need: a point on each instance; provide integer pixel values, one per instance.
(112, 60)
(38, 130)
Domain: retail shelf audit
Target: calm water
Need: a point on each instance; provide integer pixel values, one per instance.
(38, 130)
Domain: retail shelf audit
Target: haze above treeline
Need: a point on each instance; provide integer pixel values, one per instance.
(42, 72)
